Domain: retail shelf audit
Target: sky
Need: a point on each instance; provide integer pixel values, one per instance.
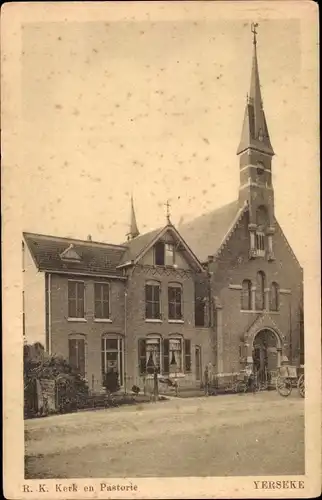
(154, 108)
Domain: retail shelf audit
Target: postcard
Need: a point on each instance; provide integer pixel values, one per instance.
(161, 250)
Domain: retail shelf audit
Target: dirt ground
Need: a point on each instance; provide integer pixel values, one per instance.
(261, 434)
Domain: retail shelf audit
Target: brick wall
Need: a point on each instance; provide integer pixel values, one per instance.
(232, 267)
(90, 328)
(138, 327)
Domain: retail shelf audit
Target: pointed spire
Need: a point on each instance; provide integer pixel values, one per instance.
(255, 133)
(134, 231)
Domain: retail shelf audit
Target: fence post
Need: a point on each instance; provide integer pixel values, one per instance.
(156, 386)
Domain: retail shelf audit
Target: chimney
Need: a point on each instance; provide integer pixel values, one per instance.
(210, 258)
(89, 237)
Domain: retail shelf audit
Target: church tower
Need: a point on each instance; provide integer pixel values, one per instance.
(255, 159)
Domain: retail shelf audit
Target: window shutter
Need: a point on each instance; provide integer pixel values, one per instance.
(72, 352)
(142, 356)
(187, 355)
(81, 357)
(166, 356)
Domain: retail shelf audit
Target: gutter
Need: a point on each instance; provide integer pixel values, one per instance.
(77, 273)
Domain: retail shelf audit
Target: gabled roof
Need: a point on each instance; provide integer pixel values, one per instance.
(100, 259)
(207, 233)
(140, 245)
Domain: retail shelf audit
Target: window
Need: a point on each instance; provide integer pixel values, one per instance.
(149, 355)
(164, 254)
(152, 300)
(174, 301)
(167, 355)
(200, 311)
(260, 243)
(246, 298)
(175, 355)
(187, 355)
(159, 254)
(102, 300)
(75, 299)
(274, 297)
(260, 291)
(76, 348)
(112, 355)
(169, 254)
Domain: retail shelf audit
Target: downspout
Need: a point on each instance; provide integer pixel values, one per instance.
(49, 314)
(125, 337)
(125, 331)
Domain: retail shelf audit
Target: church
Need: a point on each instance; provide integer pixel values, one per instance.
(224, 289)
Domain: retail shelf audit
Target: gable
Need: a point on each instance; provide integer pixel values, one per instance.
(168, 235)
(181, 259)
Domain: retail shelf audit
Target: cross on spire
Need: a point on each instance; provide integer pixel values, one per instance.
(167, 205)
(253, 29)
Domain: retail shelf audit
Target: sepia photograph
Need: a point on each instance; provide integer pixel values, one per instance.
(168, 239)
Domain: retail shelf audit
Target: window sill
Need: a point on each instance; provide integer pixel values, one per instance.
(176, 321)
(151, 320)
(258, 311)
(166, 375)
(102, 320)
(77, 320)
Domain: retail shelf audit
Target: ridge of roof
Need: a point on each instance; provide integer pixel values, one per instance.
(73, 240)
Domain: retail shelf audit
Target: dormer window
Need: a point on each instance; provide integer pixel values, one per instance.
(70, 254)
(164, 254)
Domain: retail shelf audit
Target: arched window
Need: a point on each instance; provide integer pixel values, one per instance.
(246, 297)
(112, 355)
(175, 301)
(260, 291)
(274, 297)
(261, 217)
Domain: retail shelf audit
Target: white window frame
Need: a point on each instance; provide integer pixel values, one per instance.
(152, 337)
(104, 320)
(120, 339)
(167, 254)
(176, 337)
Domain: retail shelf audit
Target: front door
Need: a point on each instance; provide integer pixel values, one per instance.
(198, 362)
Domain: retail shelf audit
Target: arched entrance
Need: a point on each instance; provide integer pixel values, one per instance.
(266, 353)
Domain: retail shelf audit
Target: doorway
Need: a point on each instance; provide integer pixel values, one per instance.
(198, 362)
(265, 355)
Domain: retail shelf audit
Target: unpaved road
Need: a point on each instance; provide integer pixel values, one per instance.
(261, 434)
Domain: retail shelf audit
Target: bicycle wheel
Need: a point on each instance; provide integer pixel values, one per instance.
(240, 387)
(301, 386)
(284, 386)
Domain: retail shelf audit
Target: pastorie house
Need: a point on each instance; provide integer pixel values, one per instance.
(223, 289)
